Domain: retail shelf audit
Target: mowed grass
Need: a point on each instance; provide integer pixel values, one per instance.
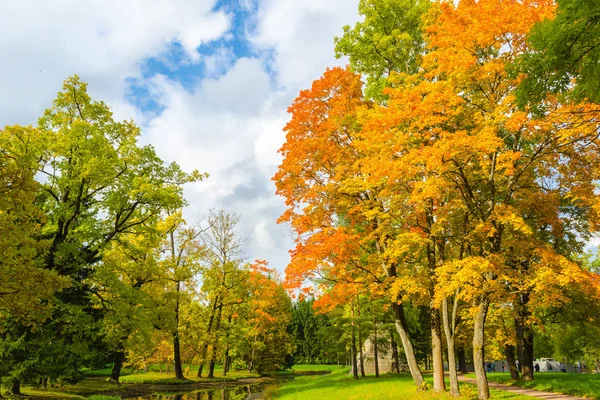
(586, 385)
(308, 367)
(340, 385)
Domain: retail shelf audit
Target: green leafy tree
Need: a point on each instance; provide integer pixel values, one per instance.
(389, 39)
(97, 184)
(565, 54)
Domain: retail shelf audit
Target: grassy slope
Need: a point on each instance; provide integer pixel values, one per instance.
(340, 385)
(587, 385)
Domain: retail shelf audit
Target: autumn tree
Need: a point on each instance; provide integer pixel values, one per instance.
(21, 222)
(268, 320)
(182, 253)
(128, 287)
(96, 184)
(224, 276)
(330, 205)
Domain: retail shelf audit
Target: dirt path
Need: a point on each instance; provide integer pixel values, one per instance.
(527, 392)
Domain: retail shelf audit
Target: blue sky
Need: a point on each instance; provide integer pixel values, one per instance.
(208, 81)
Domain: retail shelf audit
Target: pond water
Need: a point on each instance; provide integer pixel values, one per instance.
(245, 392)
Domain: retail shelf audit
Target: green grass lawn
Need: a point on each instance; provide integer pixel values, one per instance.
(340, 385)
(587, 385)
(308, 367)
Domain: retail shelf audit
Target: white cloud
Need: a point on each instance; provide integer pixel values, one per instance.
(301, 34)
(104, 41)
(228, 124)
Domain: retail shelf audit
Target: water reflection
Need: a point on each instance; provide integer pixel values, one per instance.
(229, 393)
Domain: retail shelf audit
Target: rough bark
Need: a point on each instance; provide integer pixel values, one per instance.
(527, 367)
(436, 351)
(402, 328)
(509, 352)
(117, 365)
(483, 390)
(524, 337)
(449, 331)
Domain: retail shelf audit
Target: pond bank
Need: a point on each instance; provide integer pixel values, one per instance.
(140, 387)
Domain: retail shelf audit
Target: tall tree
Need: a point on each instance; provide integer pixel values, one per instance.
(224, 279)
(336, 215)
(96, 184)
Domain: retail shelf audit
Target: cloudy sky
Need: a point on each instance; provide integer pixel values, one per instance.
(208, 81)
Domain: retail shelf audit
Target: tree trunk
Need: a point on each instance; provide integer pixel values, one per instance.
(176, 349)
(15, 388)
(436, 351)
(395, 357)
(509, 352)
(177, 355)
(375, 349)
(211, 320)
(213, 358)
(483, 390)
(402, 328)
(353, 344)
(226, 361)
(524, 337)
(226, 358)
(117, 365)
(449, 331)
(211, 366)
(360, 342)
(527, 367)
(462, 361)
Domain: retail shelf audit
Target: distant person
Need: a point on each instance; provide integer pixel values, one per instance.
(537, 367)
(562, 368)
(549, 367)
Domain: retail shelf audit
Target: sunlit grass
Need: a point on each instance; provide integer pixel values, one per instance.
(320, 367)
(341, 385)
